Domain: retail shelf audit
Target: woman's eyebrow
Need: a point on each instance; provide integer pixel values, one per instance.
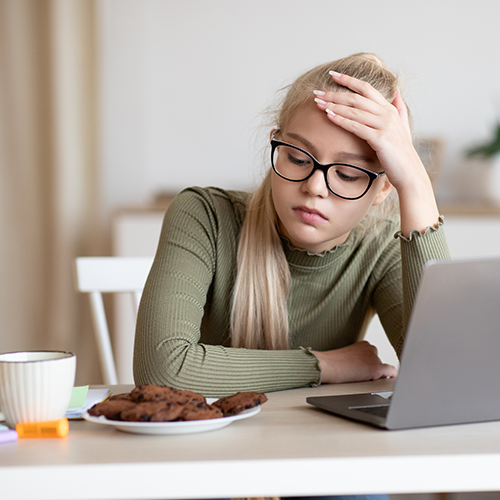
(343, 156)
(307, 145)
(346, 156)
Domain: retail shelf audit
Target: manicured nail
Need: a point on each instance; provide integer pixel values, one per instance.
(319, 92)
(334, 73)
(319, 101)
(330, 112)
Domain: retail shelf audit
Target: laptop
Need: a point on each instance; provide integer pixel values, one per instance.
(450, 365)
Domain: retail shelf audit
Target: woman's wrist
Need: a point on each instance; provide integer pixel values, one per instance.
(418, 206)
(354, 363)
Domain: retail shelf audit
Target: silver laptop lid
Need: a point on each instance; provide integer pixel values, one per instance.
(450, 365)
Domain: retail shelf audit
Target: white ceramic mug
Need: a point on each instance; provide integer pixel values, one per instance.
(36, 386)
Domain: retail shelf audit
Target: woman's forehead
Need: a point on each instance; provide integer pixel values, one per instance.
(320, 136)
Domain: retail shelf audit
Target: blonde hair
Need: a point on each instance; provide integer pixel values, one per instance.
(259, 316)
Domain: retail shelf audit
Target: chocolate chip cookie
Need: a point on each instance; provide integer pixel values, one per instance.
(232, 405)
(111, 409)
(158, 393)
(200, 411)
(152, 412)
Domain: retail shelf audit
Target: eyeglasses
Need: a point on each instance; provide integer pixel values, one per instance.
(343, 180)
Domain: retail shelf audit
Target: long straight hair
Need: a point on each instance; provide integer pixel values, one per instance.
(259, 316)
(259, 312)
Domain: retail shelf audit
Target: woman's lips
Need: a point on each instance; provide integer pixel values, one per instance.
(309, 215)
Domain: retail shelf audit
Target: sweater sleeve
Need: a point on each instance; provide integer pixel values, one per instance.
(395, 294)
(168, 345)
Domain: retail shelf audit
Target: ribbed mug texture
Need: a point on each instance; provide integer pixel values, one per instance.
(36, 385)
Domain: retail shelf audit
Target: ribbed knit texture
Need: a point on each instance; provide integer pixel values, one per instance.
(182, 335)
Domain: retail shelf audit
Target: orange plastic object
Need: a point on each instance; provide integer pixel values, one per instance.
(48, 429)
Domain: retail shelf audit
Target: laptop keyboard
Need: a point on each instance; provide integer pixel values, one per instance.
(379, 411)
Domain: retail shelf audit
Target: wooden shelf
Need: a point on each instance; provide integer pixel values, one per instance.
(162, 202)
(469, 209)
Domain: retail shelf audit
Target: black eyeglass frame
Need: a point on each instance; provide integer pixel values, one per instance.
(324, 168)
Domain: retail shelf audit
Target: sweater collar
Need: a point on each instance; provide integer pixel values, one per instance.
(304, 258)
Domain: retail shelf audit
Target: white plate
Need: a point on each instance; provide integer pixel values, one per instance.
(187, 427)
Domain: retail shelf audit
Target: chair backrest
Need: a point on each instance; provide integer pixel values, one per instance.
(98, 275)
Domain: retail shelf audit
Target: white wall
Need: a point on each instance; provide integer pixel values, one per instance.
(184, 82)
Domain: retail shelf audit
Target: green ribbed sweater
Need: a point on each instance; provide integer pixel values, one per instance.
(182, 334)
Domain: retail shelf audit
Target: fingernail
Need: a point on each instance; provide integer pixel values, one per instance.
(319, 101)
(334, 73)
(330, 112)
(319, 92)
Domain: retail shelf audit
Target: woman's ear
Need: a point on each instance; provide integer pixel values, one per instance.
(383, 192)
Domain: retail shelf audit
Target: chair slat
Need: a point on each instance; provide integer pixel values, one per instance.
(112, 274)
(98, 275)
(101, 330)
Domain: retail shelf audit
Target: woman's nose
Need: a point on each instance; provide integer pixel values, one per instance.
(316, 185)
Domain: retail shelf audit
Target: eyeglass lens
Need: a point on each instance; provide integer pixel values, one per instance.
(294, 165)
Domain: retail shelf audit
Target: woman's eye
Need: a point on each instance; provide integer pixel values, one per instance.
(301, 162)
(347, 177)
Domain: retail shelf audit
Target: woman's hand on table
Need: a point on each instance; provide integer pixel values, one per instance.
(355, 363)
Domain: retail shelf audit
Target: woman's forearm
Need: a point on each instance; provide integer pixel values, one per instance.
(417, 203)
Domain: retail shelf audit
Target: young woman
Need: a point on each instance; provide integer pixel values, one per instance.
(273, 290)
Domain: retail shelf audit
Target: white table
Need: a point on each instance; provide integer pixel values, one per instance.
(289, 448)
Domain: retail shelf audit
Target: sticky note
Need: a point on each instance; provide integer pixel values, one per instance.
(78, 396)
(7, 436)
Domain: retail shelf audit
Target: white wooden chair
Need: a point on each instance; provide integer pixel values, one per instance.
(98, 275)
